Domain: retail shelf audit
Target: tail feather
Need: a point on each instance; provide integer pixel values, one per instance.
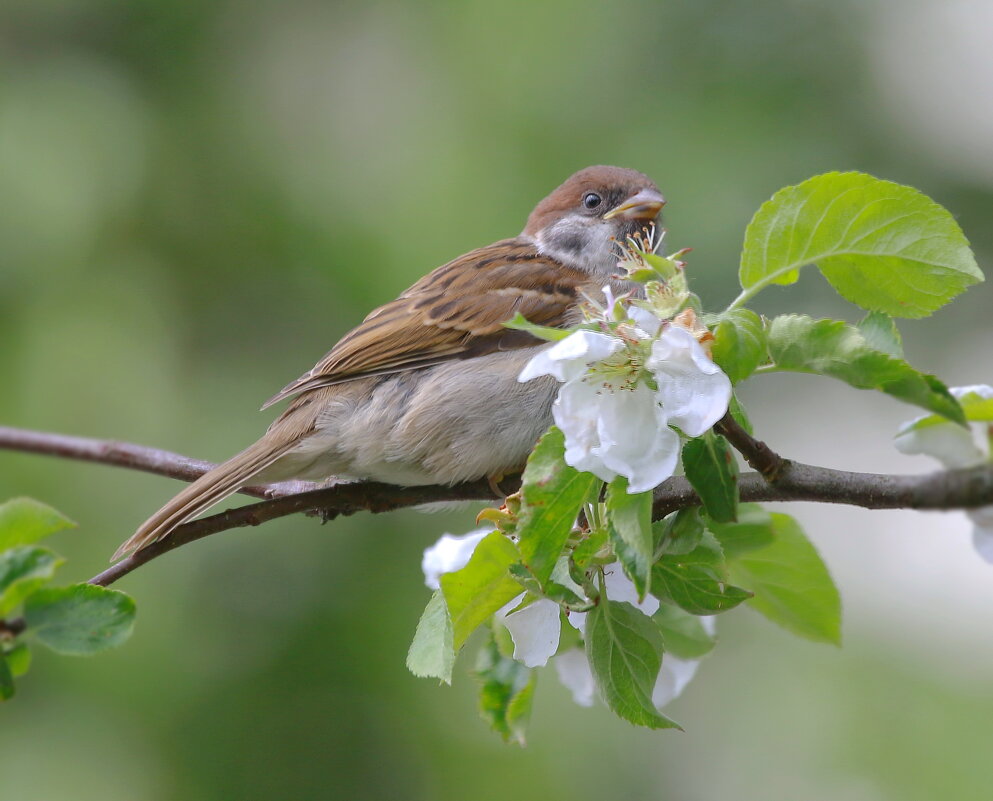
(212, 487)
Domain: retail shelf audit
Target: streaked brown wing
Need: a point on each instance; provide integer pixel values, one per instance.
(439, 318)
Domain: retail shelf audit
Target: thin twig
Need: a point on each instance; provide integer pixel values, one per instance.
(760, 457)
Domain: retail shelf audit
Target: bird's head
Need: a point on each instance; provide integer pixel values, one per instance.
(580, 221)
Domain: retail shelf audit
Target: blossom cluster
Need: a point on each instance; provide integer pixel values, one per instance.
(955, 447)
(536, 628)
(624, 388)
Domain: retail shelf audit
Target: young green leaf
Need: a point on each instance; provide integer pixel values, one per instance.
(678, 533)
(23, 570)
(630, 521)
(881, 334)
(79, 619)
(432, 653)
(791, 585)
(739, 414)
(712, 469)
(6, 680)
(752, 530)
(683, 635)
(837, 349)
(506, 691)
(480, 588)
(551, 495)
(696, 581)
(624, 647)
(883, 246)
(520, 323)
(977, 407)
(19, 660)
(24, 521)
(739, 344)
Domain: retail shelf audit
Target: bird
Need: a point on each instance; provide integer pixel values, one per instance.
(424, 390)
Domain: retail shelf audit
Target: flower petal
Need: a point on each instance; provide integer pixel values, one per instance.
(449, 554)
(635, 440)
(573, 669)
(943, 440)
(673, 678)
(535, 630)
(569, 358)
(982, 532)
(694, 391)
(644, 320)
(575, 411)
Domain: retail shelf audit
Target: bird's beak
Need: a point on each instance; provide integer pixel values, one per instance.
(645, 205)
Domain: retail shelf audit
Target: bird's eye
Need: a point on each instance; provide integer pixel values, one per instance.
(591, 200)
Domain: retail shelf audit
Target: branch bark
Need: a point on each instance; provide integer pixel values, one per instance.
(775, 479)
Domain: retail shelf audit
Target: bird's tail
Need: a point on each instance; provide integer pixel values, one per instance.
(210, 488)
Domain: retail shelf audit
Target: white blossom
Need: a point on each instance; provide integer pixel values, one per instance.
(954, 447)
(576, 675)
(614, 421)
(694, 392)
(534, 629)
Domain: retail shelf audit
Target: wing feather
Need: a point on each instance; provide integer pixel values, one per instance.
(455, 312)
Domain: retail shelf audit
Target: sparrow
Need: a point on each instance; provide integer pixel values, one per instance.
(425, 390)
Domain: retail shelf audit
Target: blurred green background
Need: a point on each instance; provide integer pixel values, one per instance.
(198, 198)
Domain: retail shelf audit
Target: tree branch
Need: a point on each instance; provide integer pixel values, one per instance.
(775, 479)
(132, 457)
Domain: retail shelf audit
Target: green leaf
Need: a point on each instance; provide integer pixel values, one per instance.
(678, 533)
(19, 659)
(881, 334)
(712, 469)
(506, 692)
(6, 680)
(739, 414)
(551, 495)
(630, 521)
(23, 570)
(696, 581)
(883, 246)
(977, 408)
(624, 647)
(432, 653)
(752, 530)
(739, 344)
(836, 349)
(480, 588)
(791, 585)
(683, 634)
(79, 619)
(24, 521)
(520, 323)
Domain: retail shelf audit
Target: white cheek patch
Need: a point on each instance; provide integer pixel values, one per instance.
(580, 242)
